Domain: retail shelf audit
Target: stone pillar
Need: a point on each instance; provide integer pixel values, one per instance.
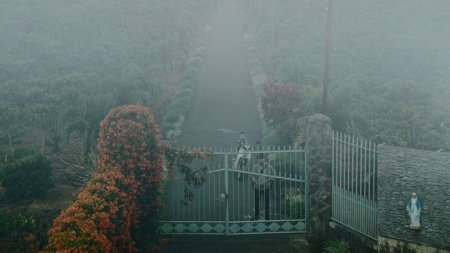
(319, 142)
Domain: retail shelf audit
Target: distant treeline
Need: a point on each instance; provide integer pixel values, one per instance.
(64, 64)
(389, 69)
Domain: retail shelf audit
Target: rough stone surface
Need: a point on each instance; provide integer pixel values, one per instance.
(402, 171)
(392, 245)
(319, 139)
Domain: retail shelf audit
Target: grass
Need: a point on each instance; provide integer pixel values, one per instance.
(58, 198)
(337, 247)
(43, 211)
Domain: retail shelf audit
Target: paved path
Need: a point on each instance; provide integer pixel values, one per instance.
(223, 103)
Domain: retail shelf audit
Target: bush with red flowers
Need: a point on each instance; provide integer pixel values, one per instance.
(117, 210)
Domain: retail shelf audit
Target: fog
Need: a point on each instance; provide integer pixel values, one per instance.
(209, 70)
(389, 60)
(389, 64)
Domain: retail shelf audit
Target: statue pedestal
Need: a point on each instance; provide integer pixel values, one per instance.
(414, 227)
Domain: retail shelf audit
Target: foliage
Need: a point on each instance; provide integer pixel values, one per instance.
(18, 227)
(84, 120)
(99, 220)
(337, 247)
(400, 248)
(180, 160)
(129, 138)
(403, 114)
(62, 70)
(117, 209)
(280, 103)
(182, 100)
(26, 176)
(387, 80)
(6, 156)
(293, 204)
(281, 108)
(64, 64)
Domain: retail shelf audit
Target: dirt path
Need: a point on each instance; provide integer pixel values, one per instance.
(223, 103)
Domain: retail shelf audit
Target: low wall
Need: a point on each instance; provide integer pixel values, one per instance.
(402, 171)
(393, 245)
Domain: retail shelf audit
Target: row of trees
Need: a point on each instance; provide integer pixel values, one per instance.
(24, 174)
(63, 65)
(389, 60)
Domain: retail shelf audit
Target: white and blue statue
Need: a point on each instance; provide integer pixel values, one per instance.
(414, 208)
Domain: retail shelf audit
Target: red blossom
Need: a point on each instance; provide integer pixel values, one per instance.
(109, 208)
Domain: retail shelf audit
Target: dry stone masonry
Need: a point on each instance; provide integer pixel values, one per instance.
(319, 174)
(402, 171)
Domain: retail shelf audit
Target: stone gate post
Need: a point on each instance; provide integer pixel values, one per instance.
(319, 142)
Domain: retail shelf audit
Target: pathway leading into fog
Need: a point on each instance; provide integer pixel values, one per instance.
(223, 104)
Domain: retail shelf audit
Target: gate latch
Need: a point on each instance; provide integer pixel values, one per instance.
(223, 196)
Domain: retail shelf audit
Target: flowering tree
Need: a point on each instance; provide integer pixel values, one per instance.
(98, 221)
(129, 139)
(119, 205)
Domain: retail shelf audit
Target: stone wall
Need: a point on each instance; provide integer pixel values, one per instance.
(393, 245)
(402, 171)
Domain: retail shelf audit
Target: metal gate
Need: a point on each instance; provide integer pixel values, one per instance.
(228, 204)
(354, 170)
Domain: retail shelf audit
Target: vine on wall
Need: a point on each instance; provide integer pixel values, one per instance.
(181, 160)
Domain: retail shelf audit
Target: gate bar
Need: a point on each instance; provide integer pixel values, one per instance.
(227, 211)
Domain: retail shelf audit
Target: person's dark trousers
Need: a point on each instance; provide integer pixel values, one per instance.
(262, 194)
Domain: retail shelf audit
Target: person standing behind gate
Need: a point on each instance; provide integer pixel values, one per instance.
(242, 141)
(261, 184)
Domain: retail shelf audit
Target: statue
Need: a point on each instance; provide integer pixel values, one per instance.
(414, 208)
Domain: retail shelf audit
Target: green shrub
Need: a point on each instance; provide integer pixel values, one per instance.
(182, 100)
(20, 228)
(293, 206)
(168, 126)
(16, 225)
(183, 97)
(187, 84)
(196, 61)
(171, 118)
(178, 108)
(27, 176)
(337, 247)
(191, 73)
(184, 92)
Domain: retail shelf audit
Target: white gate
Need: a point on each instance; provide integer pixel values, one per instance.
(228, 204)
(354, 192)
